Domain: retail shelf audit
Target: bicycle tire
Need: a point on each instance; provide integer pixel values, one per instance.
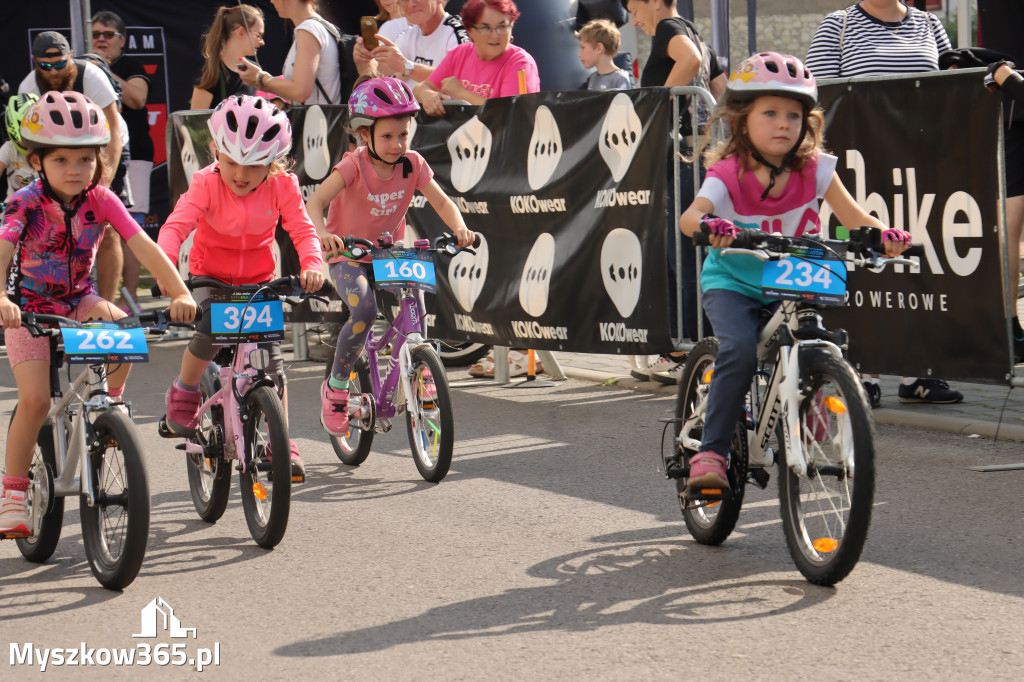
(116, 528)
(431, 424)
(354, 448)
(43, 542)
(209, 477)
(826, 515)
(268, 460)
(709, 522)
(461, 353)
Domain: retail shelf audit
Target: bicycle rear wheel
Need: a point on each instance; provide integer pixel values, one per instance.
(46, 509)
(354, 448)
(116, 528)
(267, 481)
(461, 353)
(826, 513)
(431, 423)
(209, 474)
(710, 522)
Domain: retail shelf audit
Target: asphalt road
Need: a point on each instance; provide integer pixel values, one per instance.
(553, 550)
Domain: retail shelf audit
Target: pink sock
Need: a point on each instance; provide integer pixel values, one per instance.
(115, 392)
(16, 483)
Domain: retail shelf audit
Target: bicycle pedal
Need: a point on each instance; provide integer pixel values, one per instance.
(703, 494)
(759, 477)
(674, 469)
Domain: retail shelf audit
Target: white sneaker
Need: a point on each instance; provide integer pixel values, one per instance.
(672, 374)
(14, 521)
(641, 366)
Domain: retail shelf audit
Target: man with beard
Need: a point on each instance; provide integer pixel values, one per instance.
(55, 69)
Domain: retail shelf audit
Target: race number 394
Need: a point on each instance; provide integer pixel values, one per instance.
(261, 316)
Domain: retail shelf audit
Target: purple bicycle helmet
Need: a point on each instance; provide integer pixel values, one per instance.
(380, 98)
(771, 73)
(250, 130)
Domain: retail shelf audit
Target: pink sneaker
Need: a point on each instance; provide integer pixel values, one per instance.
(14, 521)
(426, 389)
(334, 410)
(708, 470)
(183, 411)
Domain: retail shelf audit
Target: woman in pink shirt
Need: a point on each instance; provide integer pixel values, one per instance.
(233, 206)
(368, 193)
(488, 67)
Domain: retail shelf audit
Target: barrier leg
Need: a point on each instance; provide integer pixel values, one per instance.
(300, 351)
(501, 365)
(531, 378)
(551, 366)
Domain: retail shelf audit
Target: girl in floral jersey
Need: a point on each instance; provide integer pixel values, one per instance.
(48, 240)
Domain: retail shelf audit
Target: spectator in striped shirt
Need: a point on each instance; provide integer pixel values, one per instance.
(876, 38)
(883, 38)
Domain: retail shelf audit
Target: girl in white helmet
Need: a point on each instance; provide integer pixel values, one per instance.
(769, 174)
(51, 231)
(233, 206)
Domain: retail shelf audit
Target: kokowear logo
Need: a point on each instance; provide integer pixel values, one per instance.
(316, 157)
(621, 269)
(467, 273)
(189, 160)
(545, 149)
(620, 135)
(536, 280)
(470, 149)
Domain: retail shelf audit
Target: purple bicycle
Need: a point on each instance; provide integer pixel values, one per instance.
(412, 380)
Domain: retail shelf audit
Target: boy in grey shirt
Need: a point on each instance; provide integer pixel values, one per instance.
(599, 43)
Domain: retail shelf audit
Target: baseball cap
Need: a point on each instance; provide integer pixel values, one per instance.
(50, 44)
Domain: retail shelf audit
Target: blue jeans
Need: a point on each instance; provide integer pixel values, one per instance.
(735, 318)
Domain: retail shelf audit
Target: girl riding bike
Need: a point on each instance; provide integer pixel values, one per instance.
(51, 231)
(368, 194)
(233, 206)
(769, 174)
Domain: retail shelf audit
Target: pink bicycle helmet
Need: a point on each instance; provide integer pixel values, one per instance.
(771, 73)
(64, 119)
(380, 98)
(250, 130)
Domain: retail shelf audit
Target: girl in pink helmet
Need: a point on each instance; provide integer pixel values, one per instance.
(233, 206)
(770, 173)
(51, 230)
(367, 194)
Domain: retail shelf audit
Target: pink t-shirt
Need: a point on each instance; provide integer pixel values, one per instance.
(371, 205)
(496, 78)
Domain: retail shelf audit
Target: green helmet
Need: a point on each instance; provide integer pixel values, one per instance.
(14, 113)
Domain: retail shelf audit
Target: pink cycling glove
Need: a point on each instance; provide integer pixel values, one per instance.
(720, 226)
(894, 235)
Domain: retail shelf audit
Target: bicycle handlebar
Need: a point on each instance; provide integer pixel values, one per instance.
(447, 243)
(865, 242)
(287, 286)
(157, 320)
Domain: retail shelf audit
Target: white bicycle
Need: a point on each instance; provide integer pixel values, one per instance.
(806, 412)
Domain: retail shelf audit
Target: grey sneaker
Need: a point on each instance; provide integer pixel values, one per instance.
(671, 375)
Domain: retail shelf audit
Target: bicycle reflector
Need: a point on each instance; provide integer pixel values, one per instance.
(835, 405)
(259, 359)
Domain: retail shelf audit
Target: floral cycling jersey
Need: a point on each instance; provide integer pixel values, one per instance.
(55, 247)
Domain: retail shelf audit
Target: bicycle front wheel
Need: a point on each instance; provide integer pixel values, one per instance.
(710, 522)
(209, 474)
(826, 513)
(354, 448)
(115, 528)
(46, 509)
(267, 480)
(430, 422)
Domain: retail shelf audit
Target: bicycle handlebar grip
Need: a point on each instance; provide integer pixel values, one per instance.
(700, 239)
(914, 250)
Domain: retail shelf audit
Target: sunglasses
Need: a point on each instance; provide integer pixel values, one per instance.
(109, 35)
(50, 66)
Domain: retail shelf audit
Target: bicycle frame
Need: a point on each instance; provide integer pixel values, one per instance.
(408, 332)
(236, 380)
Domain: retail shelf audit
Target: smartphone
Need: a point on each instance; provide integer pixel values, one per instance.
(245, 62)
(368, 27)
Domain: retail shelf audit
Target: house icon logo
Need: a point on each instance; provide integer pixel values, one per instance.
(158, 615)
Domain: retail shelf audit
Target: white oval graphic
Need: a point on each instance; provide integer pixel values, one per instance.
(467, 273)
(620, 135)
(621, 269)
(316, 157)
(545, 149)
(470, 149)
(536, 279)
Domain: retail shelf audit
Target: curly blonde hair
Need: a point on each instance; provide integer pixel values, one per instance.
(733, 114)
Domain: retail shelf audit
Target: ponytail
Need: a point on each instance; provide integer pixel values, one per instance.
(225, 22)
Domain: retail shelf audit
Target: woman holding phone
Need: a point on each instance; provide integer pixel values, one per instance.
(236, 33)
(310, 74)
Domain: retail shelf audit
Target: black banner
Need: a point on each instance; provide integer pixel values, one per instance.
(921, 155)
(565, 191)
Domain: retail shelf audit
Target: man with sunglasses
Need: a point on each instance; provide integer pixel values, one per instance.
(413, 53)
(54, 68)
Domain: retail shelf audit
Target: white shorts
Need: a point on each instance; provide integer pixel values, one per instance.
(138, 180)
